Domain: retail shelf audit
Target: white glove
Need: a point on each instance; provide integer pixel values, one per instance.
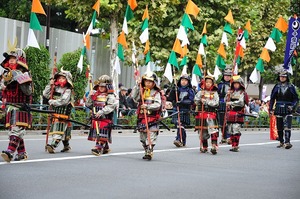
(51, 102)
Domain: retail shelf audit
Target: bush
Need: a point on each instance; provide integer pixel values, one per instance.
(69, 62)
(38, 63)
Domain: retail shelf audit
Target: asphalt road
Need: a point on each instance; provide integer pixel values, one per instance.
(259, 170)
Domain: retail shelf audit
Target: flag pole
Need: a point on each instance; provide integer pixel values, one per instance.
(136, 66)
(54, 70)
(177, 107)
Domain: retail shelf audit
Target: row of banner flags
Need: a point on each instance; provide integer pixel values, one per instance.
(180, 46)
(36, 8)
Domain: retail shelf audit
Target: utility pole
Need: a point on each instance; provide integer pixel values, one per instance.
(48, 25)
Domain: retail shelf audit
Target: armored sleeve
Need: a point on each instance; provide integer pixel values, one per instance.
(47, 91)
(136, 93)
(197, 98)
(213, 102)
(240, 102)
(157, 103)
(64, 99)
(89, 101)
(111, 105)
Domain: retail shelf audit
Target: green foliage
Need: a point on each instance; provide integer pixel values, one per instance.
(38, 62)
(15, 9)
(69, 62)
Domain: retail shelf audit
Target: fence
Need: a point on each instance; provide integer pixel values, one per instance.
(82, 114)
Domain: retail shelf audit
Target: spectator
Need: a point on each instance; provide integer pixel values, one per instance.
(131, 104)
(254, 106)
(123, 106)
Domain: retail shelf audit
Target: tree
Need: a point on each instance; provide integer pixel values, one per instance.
(165, 18)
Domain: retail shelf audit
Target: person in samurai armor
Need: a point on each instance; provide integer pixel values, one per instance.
(183, 101)
(207, 102)
(147, 95)
(283, 103)
(235, 100)
(102, 101)
(223, 88)
(17, 89)
(61, 103)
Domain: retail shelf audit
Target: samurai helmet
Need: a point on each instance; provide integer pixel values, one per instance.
(18, 53)
(212, 78)
(237, 79)
(66, 74)
(228, 70)
(104, 80)
(283, 73)
(152, 77)
(187, 77)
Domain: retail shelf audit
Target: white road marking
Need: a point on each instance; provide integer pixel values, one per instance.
(131, 153)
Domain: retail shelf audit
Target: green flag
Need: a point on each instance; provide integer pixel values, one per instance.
(220, 62)
(145, 24)
(246, 35)
(120, 52)
(186, 22)
(276, 35)
(183, 61)
(197, 70)
(128, 13)
(204, 40)
(148, 58)
(173, 60)
(227, 28)
(260, 65)
(34, 22)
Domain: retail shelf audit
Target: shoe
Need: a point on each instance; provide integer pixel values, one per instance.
(66, 149)
(288, 146)
(223, 141)
(213, 151)
(148, 156)
(96, 152)
(235, 149)
(281, 145)
(177, 143)
(203, 150)
(21, 156)
(228, 141)
(105, 151)
(50, 148)
(7, 156)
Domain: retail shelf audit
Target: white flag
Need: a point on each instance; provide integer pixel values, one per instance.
(184, 70)
(224, 39)
(125, 27)
(270, 45)
(243, 43)
(217, 72)
(236, 70)
(144, 36)
(80, 63)
(90, 28)
(168, 72)
(254, 76)
(32, 41)
(117, 65)
(148, 67)
(194, 80)
(181, 35)
(201, 50)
